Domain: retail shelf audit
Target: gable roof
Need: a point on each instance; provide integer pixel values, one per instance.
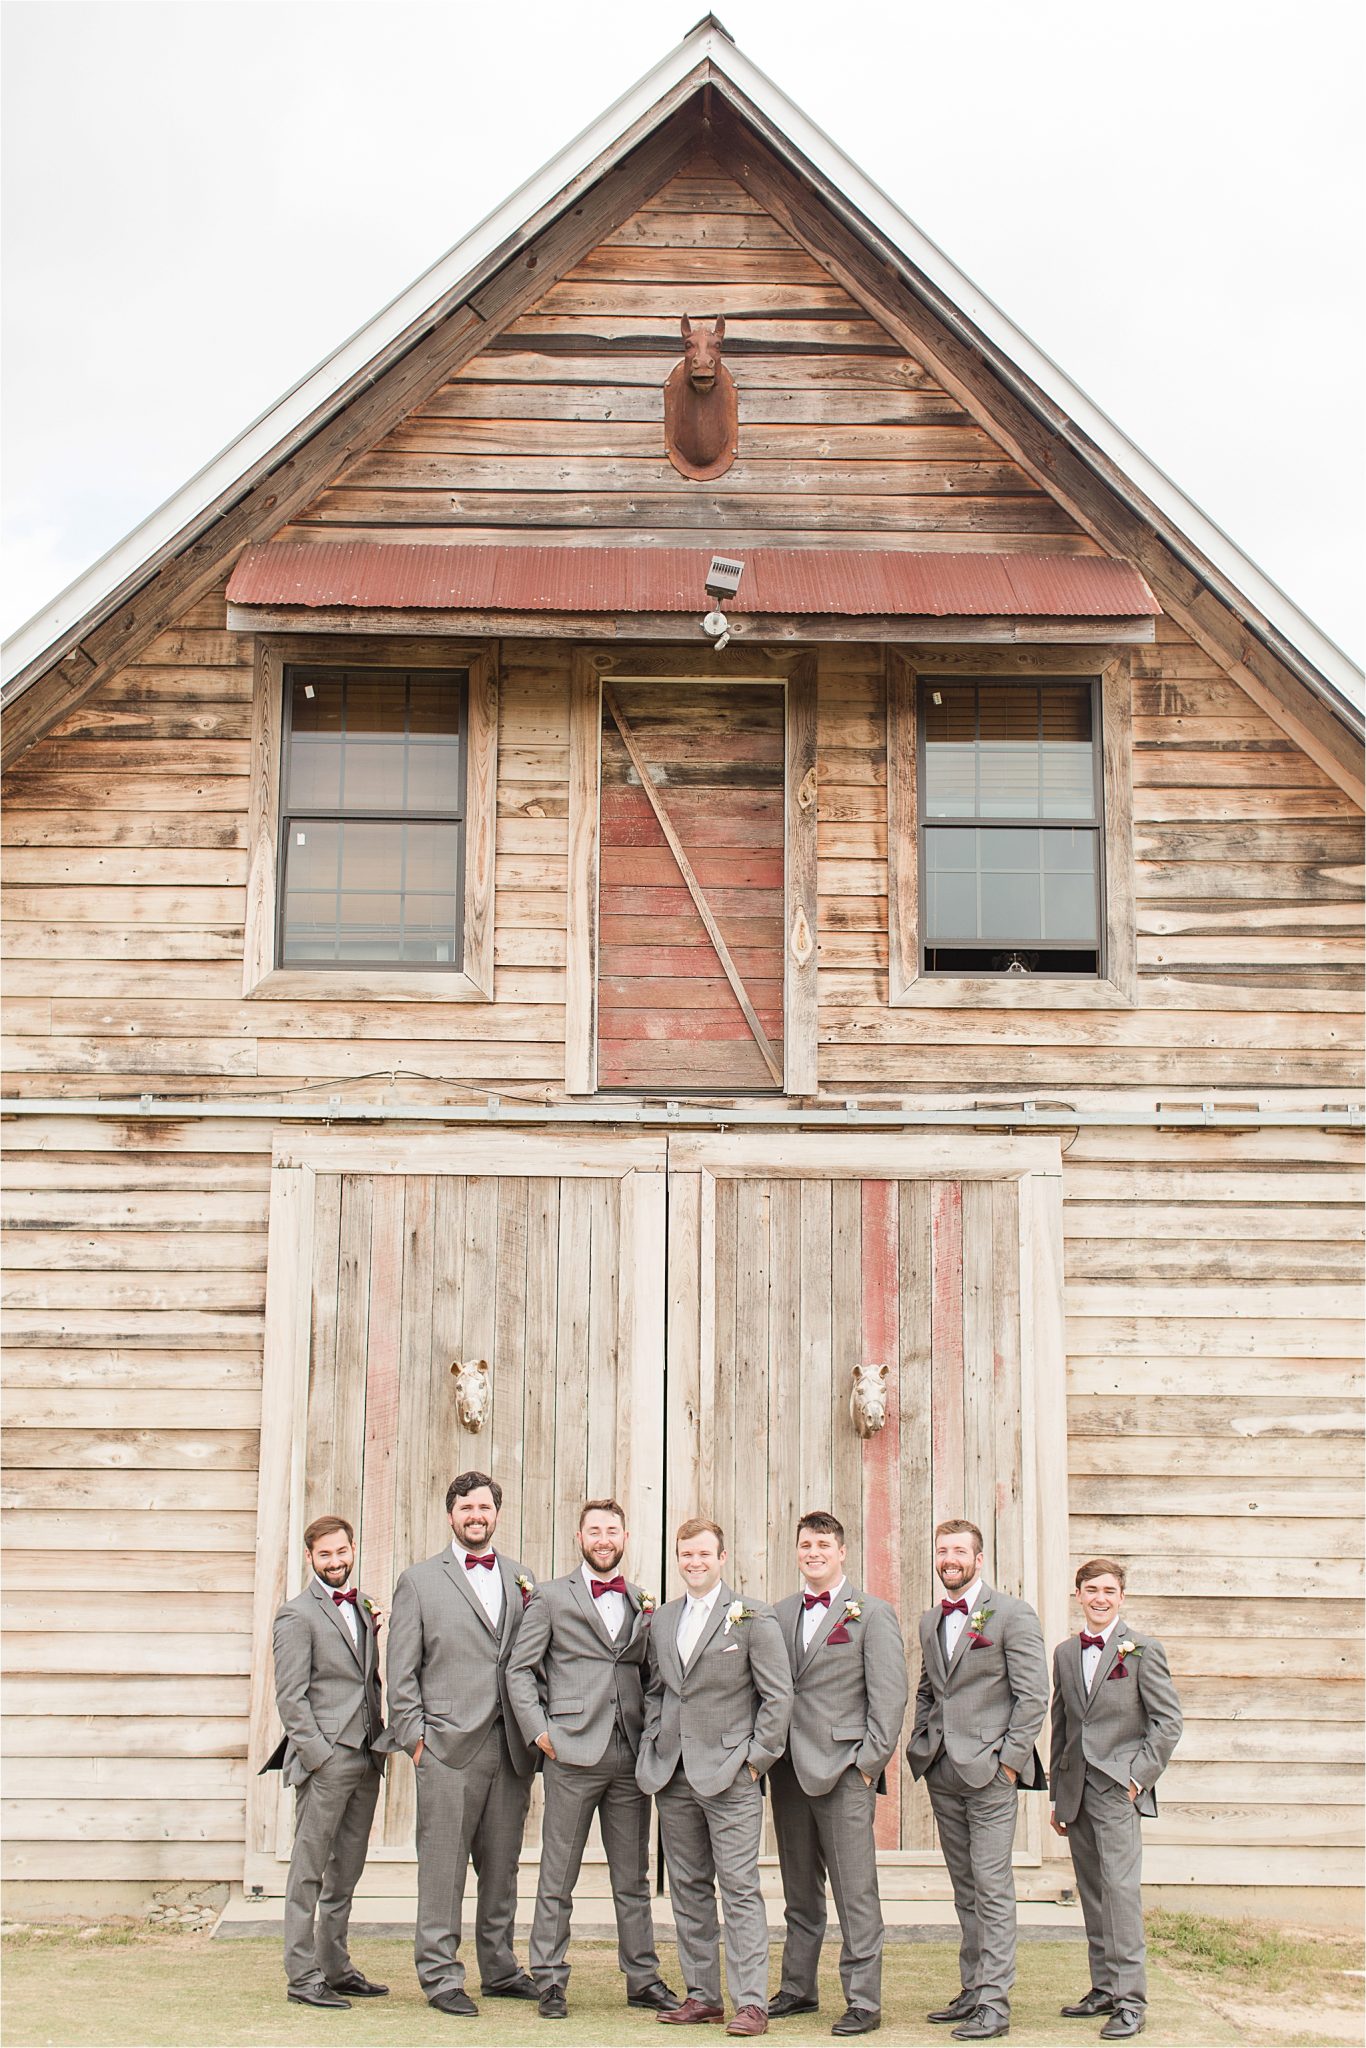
(1262, 637)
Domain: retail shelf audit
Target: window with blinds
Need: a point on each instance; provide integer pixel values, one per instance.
(1011, 844)
(372, 818)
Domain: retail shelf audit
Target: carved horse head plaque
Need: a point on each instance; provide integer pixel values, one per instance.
(701, 425)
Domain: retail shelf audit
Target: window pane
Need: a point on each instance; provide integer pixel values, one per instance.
(392, 897)
(374, 741)
(1009, 750)
(1010, 886)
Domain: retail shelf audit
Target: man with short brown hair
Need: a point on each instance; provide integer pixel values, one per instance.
(328, 1694)
(979, 1706)
(1116, 1721)
(574, 1679)
(717, 1701)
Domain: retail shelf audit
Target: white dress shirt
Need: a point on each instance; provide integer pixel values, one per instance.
(693, 1620)
(1090, 1659)
(611, 1606)
(954, 1624)
(345, 1608)
(486, 1585)
(813, 1618)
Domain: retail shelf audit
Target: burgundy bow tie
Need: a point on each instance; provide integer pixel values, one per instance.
(954, 1606)
(601, 1586)
(1092, 1642)
(350, 1598)
(471, 1561)
(810, 1600)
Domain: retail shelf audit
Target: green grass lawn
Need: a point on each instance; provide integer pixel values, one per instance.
(124, 1988)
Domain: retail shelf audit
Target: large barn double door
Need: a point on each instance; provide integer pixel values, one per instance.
(672, 1321)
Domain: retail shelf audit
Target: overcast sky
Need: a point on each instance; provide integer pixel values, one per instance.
(205, 197)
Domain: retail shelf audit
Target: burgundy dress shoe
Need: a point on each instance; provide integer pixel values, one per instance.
(694, 2012)
(749, 2019)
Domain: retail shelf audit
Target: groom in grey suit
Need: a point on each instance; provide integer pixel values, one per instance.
(979, 1706)
(717, 1701)
(574, 1679)
(451, 1634)
(1116, 1721)
(327, 1692)
(849, 1701)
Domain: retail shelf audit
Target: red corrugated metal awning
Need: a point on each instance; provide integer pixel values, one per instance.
(835, 582)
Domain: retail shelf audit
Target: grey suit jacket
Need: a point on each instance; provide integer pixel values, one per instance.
(728, 1709)
(569, 1679)
(448, 1665)
(848, 1699)
(1126, 1728)
(326, 1687)
(987, 1707)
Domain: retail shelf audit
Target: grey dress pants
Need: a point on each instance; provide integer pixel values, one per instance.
(333, 1810)
(475, 1814)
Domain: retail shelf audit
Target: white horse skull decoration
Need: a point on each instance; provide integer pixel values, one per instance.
(472, 1391)
(868, 1399)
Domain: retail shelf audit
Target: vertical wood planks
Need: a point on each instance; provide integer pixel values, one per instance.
(914, 1305)
(690, 1439)
(727, 1451)
(569, 1386)
(538, 1405)
(509, 1358)
(640, 1343)
(609, 1412)
(946, 1361)
(1007, 1508)
(323, 1494)
(846, 1322)
(753, 1255)
(353, 1318)
(978, 1375)
(481, 796)
(800, 923)
(785, 1501)
(581, 935)
(882, 1501)
(903, 895)
(815, 1380)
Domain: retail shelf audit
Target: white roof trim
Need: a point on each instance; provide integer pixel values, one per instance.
(221, 480)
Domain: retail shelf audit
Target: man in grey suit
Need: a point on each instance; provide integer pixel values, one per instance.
(848, 1704)
(574, 1679)
(327, 1691)
(717, 1700)
(979, 1707)
(1116, 1721)
(453, 1629)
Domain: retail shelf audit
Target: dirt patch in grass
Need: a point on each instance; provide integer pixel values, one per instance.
(1293, 1986)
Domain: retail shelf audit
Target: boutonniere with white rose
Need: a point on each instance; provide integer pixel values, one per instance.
(526, 1587)
(976, 1625)
(375, 1612)
(1128, 1648)
(735, 1614)
(648, 1603)
(853, 1611)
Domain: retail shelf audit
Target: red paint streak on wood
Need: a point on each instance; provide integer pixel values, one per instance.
(946, 1349)
(881, 1453)
(379, 1477)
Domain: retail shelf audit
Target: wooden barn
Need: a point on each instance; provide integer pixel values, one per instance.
(428, 944)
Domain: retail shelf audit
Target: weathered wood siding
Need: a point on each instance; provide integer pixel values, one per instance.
(1214, 1397)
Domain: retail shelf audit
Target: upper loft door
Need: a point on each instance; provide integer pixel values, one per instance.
(690, 962)
(690, 959)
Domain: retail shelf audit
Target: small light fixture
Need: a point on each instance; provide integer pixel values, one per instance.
(722, 581)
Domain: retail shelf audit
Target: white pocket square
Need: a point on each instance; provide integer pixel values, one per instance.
(730, 1649)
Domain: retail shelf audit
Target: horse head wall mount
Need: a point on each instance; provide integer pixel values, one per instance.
(868, 1399)
(701, 411)
(472, 1391)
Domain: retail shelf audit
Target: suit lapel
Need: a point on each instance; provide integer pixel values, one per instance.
(1105, 1665)
(588, 1608)
(984, 1599)
(460, 1579)
(713, 1622)
(833, 1613)
(665, 1630)
(330, 1607)
(511, 1592)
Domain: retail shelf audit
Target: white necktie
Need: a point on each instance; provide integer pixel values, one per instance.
(690, 1631)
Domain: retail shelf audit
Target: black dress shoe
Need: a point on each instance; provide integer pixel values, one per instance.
(356, 1986)
(457, 2002)
(552, 2004)
(986, 2024)
(657, 1997)
(858, 2020)
(786, 2003)
(957, 2009)
(515, 1987)
(319, 1996)
(1091, 2007)
(1126, 2021)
